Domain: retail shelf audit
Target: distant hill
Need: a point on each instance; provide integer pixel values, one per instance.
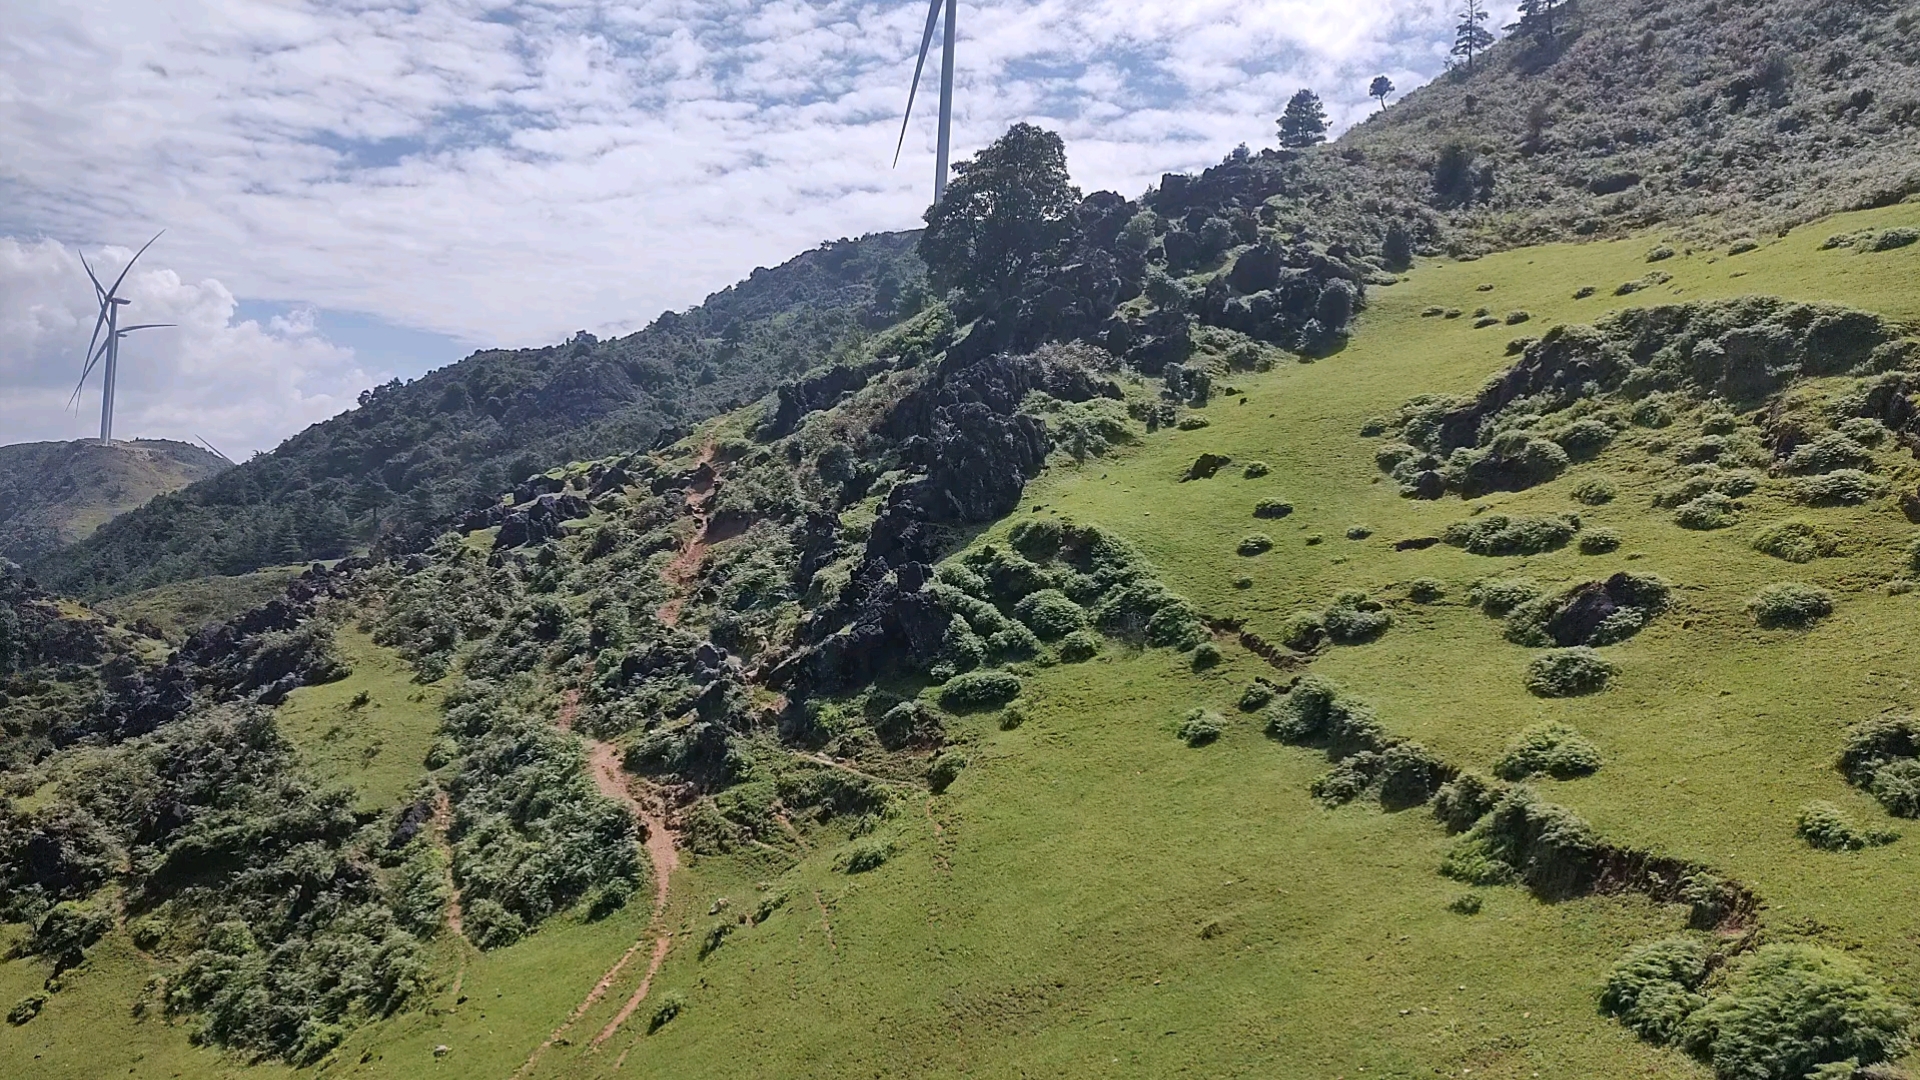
(414, 453)
(55, 493)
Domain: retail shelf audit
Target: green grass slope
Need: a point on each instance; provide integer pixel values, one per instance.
(56, 493)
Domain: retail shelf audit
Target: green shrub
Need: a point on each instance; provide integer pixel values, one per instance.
(1272, 508)
(1498, 596)
(672, 1004)
(1358, 532)
(1551, 749)
(1256, 697)
(1796, 541)
(1193, 422)
(1701, 480)
(1199, 727)
(865, 855)
(1464, 800)
(1316, 712)
(1425, 590)
(1569, 672)
(1790, 603)
(976, 690)
(1827, 827)
(27, 1008)
(1881, 756)
(1079, 646)
(1894, 238)
(1050, 614)
(1709, 511)
(1741, 247)
(1584, 291)
(945, 770)
(1655, 987)
(1304, 631)
(1013, 716)
(1789, 1008)
(1660, 254)
(1548, 848)
(1465, 904)
(1498, 534)
(1255, 544)
(1254, 470)
(1828, 453)
(1206, 655)
(1842, 487)
(1354, 619)
(1584, 439)
(1599, 541)
(1515, 318)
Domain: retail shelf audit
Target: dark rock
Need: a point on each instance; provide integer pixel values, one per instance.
(1428, 485)
(1206, 466)
(1418, 543)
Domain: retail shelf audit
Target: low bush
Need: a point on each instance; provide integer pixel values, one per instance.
(1304, 631)
(1358, 532)
(1425, 590)
(1656, 987)
(1499, 596)
(1842, 487)
(1827, 827)
(1599, 541)
(1790, 1008)
(1708, 479)
(1515, 318)
(944, 770)
(1548, 848)
(1316, 712)
(1206, 655)
(1079, 646)
(1485, 321)
(1660, 254)
(1790, 604)
(1272, 508)
(27, 1008)
(1569, 673)
(979, 690)
(1584, 439)
(1050, 614)
(1894, 238)
(1255, 544)
(1255, 470)
(1498, 534)
(1882, 756)
(1594, 491)
(1595, 613)
(1354, 619)
(1709, 511)
(1199, 727)
(1796, 541)
(672, 1004)
(865, 855)
(1829, 453)
(1465, 904)
(1464, 800)
(1549, 749)
(1256, 697)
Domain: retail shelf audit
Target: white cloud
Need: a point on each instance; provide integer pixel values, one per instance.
(507, 171)
(241, 385)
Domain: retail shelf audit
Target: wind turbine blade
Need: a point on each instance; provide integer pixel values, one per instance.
(136, 258)
(926, 45)
(215, 449)
(92, 360)
(125, 330)
(99, 292)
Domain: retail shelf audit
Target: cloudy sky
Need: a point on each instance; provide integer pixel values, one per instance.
(362, 189)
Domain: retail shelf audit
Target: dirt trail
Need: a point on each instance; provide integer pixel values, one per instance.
(685, 567)
(442, 827)
(611, 779)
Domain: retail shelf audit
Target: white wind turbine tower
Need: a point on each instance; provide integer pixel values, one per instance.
(109, 348)
(946, 94)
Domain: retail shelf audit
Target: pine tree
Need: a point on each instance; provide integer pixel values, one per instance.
(1304, 123)
(1382, 86)
(1536, 17)
(1471, 36)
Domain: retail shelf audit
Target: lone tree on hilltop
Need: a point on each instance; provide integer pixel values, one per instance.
(1382, 86)
(1304, 123)
(1470, 36)
(1008, 213)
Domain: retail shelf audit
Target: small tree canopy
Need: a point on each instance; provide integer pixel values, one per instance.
(1009, 211)
(1304, 123)
(1382, 86)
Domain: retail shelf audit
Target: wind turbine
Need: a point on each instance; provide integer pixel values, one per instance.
(109, 348)
(946, 95)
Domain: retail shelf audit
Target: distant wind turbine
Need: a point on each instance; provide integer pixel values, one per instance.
(109, 347)
(946, 95)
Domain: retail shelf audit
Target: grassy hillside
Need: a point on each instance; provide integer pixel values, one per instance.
(53, 494)
(1093, 894)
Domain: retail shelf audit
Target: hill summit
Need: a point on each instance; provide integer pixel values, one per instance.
(57, 493)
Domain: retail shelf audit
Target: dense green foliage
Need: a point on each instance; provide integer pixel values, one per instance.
(1008, 214)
